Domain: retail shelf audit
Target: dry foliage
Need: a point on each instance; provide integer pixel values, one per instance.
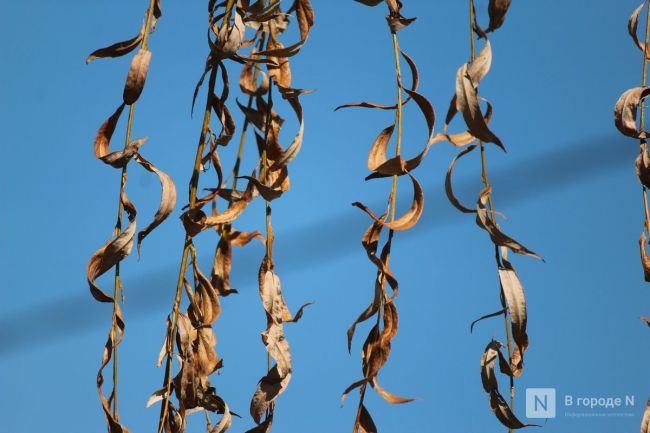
(193, 330)
(377, 346)
(120, 244)
(467, 102)
(629, 107)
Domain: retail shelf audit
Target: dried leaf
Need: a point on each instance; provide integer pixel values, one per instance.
(121, 158)
(503, 412)
(467, 103)
(498, 237)
(410, 218)
(105, 133)
(370, 2)
(516, 301)
(111, 253)
(167, 198)
(415, 82)
(137, 76)
(224, 423)
(230, 38)
(246, 83)
(118, 49)
(364, 424)
(497, 10)
(448, 187)
(221, 267)
(645, 260)
(390, 398)
(269, 388)
(642, 166)
(633, 26)
(305, 15)
(487, 316)
(626, 109)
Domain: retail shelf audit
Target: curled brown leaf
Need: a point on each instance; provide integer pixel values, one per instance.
(137, 76)
(118, 49)
(167, 198)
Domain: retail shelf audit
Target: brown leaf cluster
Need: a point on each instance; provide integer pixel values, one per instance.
(229, 23)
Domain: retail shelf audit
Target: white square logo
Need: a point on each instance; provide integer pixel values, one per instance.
(540, 403)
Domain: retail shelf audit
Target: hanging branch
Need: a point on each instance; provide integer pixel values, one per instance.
(377, 345)
(119, 246)
(272, 182)
(630, 104)
(478, 134)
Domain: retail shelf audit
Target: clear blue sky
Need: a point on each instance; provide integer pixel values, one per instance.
(567, 186)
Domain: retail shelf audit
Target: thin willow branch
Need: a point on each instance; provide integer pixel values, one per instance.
(490, 207)
(117, 288)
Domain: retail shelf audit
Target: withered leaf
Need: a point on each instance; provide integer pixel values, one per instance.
(281, 52)
(105, 133)
(487, 316)
(137, 76)
(398, 22)
(287, 155)
(167, 198)
(230, 38)
(415, 82)
(389, 397)
(111, 253)
(195, 220)
(370, 2)
(224, 423)
(503, 412)
(497, 10)
(305, 15)
(642, 166)
(448, 186)
(645, 260)
(351, 388)
(269, 388)
(120, 158)
(246, 83)
(280, 73)
(516, 301)
(625, 111)
(118, 49)
(271, 295)
(467, 103)
(498, 237)
(632, 27)
(461, 138)
(265, 427)
(364, 424)
(410, 218)
(377, 350)
(377, 155)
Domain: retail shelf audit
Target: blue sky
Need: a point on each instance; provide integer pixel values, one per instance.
(567, 186)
